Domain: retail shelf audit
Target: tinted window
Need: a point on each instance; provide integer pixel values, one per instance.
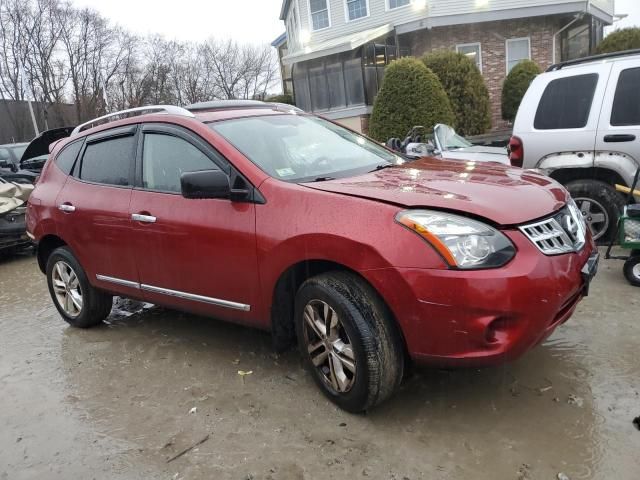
(109, 161)
(626, 104)
(67, 157)
(165, 158)
(566, 103)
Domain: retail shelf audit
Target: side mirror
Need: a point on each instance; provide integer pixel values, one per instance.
(205, 184)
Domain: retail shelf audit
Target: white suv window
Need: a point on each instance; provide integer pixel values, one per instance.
(626, 104)
(566, 102)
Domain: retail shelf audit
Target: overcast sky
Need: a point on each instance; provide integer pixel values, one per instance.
(251, 21)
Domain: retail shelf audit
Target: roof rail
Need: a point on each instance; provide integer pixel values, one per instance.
(240, 105)
(112, 117)
(593, 58)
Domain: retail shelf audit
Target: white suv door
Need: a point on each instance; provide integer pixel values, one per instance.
(618, 136)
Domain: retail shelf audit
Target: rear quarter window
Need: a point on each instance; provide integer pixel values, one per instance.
(566, 103)
(67, 157)
(626, 103)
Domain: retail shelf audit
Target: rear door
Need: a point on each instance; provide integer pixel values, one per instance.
(619, 128)
(94, 206)
(199, 255)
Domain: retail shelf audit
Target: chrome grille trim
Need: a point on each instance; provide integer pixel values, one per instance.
(549, 237)
(564, 232)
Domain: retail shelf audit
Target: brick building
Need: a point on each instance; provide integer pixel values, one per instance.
(334, 53)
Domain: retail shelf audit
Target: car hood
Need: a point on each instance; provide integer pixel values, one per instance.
(40, 145)
(479, 154)
(502, 194)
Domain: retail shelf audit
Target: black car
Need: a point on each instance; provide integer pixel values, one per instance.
(10, 169)
(23, 162)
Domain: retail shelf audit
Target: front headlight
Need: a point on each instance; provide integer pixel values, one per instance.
(462, 242)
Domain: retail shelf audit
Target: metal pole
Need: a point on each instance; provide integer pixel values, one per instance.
(33, 116)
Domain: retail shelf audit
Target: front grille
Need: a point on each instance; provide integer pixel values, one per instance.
(562, 233)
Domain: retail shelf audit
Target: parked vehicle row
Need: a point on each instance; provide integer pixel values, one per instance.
(263, 215)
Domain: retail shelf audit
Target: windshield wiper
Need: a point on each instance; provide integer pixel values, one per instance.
(382, 167)
(323, 179)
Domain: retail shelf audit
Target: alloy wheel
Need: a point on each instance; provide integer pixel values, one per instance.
(328, 346)
(636, 271)
(66, 287)
(595, 215)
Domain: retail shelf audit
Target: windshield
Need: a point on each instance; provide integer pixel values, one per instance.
(449, 139)
(297, 148)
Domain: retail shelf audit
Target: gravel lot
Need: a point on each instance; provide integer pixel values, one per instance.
(123, 400)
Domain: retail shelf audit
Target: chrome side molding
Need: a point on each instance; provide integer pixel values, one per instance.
(197, 298)
(118, 281)
(175, 293)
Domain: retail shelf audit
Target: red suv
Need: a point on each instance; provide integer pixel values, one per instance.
(265, 216)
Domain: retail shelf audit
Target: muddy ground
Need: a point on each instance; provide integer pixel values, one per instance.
(114, 402)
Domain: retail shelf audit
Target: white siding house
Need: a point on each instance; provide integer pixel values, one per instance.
(328, 38)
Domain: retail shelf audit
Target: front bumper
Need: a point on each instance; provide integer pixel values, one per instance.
(485, 317)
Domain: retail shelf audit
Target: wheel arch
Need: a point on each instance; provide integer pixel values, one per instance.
(567, 175)
(286, 287)
(46, 246)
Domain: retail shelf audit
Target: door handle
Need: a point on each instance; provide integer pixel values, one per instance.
(66, 207)
(138, 217)
(619, 138)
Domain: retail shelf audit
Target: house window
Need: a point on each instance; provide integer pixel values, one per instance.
(319, 14)
(391, 4)
(473, 52)
(518, 49)
(357, 9)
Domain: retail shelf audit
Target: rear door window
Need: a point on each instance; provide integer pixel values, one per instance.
(626, 103)
(166, 157)
(109, 161)
(67, 157)
(566, 103)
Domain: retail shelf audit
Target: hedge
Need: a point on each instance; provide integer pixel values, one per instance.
(465, 88)
(282, 98)
(515, 86)
(410, 95)
(625, 39)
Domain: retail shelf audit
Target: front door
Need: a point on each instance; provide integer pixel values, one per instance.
(199, 255)
(94, 209)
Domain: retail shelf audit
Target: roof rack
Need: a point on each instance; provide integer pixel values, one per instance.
(593, 58)
(112, 117)
(240, 104)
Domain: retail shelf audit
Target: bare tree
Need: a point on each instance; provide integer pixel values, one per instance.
(67, 55)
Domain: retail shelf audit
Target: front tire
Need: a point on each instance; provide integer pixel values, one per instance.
(600, 205)
(632, 270)
(80, 304)
(348, 340)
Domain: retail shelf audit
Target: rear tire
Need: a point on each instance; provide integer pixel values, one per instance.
(80, 304)
(597, 199)
(632, 270)
(348, 340)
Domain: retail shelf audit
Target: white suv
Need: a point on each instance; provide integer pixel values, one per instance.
(579, 123)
